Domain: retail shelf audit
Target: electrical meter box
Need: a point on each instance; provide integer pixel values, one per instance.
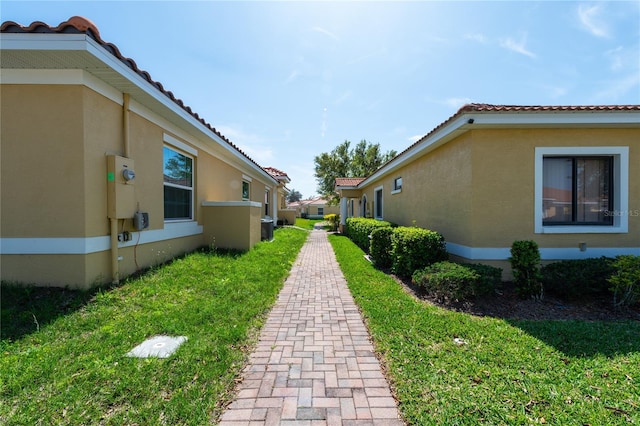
(121, 197)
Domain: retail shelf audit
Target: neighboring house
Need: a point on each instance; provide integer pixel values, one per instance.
(314, 208)
(285, 216)
(105, 172)
(567, 177)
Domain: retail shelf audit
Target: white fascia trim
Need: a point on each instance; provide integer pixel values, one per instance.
(431, 142)
(88, 245)
(565, 253)
(81, 42)
(61, 77)
(620, 181)
(179, 144)
(231, 204)
(556, 118)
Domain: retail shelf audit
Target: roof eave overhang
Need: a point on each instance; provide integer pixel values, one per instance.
(467, 121)
(92, 57)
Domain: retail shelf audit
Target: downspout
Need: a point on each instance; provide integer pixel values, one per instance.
(115, 267)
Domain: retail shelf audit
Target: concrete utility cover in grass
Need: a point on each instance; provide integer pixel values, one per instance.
(157, 346)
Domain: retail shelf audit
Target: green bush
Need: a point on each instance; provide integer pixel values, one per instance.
(525, 264)
(447, 280)
(625, 282)
(359, 228)
(334, 221)
(576, 279)
(380, 249)
(414, 248)
(489, 277)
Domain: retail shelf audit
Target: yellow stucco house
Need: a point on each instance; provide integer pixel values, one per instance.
(567, 177)
(104, 172)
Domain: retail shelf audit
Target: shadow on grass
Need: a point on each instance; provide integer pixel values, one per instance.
(24, 309)
(585, 338)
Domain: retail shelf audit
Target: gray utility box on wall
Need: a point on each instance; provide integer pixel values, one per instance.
(267, 229)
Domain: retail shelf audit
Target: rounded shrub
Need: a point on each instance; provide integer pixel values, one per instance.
(414, 248)
(625, 282)
(380, 249)
(359, 229)
(447, 280)
(525, 264)
(579, 278)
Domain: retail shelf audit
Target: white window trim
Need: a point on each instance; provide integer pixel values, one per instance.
(375, 203)
(178, 147)
(620, 187)
(394, 190)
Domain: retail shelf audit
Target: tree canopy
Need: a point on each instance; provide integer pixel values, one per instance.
(294, 196)
(360, 161)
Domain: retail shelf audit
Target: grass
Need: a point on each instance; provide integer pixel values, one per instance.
(307, 223)
(507, 372)
(65, 363)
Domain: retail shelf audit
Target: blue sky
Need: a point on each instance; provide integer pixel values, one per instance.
(286, 81)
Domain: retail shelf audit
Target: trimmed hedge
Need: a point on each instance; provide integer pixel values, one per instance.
(446, 280)
(414, 248)
(575, 279)
(380, 249)
(525, 263)
(359, 229)
(458, 282)
(489, 277)
(625, 282)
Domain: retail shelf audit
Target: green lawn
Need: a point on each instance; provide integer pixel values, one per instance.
(307, 223)
(508, 372)
(63, 359)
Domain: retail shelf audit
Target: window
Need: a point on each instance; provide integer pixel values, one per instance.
(365, 213)
(377, 203)
(577, 190)
(581, 190)
(267, 195)
(321, 211)
(397, 185)
(246, 193)
(178, 185)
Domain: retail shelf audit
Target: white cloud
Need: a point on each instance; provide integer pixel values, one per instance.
(589, 18)
(480, 38)
(326, 32)
(415, 138)
(292, 77)
(618, 88)
(457, 102)
(517, 46)
(346, 95)
(255, 146)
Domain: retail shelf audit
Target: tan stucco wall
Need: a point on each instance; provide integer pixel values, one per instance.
(43, 195)
(55, 142)
(436, 192)
(232, 227)
(478, 189)
(504, 178)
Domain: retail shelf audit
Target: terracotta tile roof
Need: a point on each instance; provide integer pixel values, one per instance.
(275, 172)
(545, 108)
(490, 108)
(82, 25)
(348, 181)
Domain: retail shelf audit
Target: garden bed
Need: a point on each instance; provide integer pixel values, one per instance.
(505, 303)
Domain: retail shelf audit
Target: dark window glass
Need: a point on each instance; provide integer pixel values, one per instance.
(577, 190)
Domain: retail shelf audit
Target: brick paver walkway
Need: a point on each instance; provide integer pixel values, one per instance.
(314, 363)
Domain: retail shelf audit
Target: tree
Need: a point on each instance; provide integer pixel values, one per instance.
(342, 161)
(294, 196)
